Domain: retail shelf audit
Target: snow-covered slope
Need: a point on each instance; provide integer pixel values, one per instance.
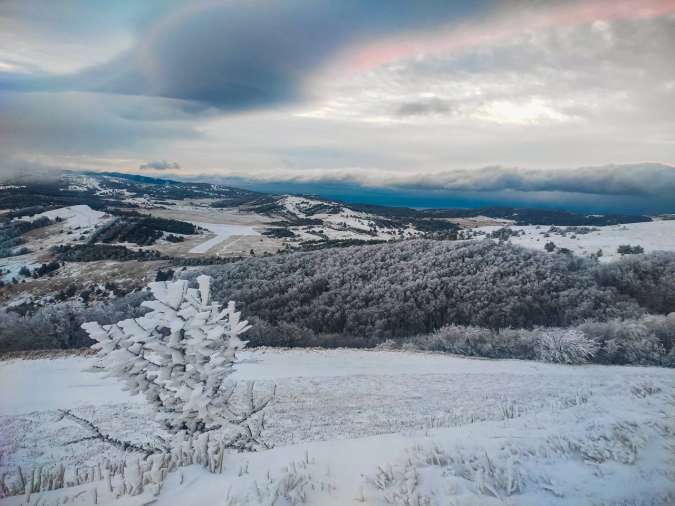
(79, 216)
(334, 221)
(438, 430)
(74, 225)
(652, 236)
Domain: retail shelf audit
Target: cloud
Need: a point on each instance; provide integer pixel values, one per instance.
(159, 165)
(423, 107)
(20, 170)
(278, 88)
(633, 179)
(244, 55)
(611, 74)
(637, 180)
(87, 123)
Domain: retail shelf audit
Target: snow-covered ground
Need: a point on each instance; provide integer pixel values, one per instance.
(366, 427)
(79, 216)
(77, 222)
(10, 266)
(222, 232)
(652, 236)
(341, 223)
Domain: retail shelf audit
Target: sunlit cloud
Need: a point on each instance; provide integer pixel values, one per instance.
(470, 35)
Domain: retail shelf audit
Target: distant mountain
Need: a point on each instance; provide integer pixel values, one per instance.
(297, 219)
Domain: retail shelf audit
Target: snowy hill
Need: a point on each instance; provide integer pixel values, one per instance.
(333, 221)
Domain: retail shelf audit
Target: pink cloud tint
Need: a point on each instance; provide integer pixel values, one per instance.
(393, 49)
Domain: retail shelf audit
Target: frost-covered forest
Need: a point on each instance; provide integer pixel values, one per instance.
(406, 291)
(364, 295)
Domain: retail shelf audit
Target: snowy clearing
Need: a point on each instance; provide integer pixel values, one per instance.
(80, 216)
(438, 430)
(652, 236)
(222, 232)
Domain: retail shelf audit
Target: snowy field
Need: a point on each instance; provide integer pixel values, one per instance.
(366, 427)
(652, 236)
(75, 217)
(222, 232)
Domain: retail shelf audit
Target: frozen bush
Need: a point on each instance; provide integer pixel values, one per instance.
(389, 345)
(564, 346)
(646, 341)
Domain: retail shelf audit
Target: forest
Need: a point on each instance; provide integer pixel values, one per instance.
(373, 292)
(420, 293)
(140, 229)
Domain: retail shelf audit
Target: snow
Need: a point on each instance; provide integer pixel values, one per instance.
(341, 223)
(82, 182)
(79, 216)
(652, 236)
(10, 266)
(273, 364)
(41, 385)
(44, 385)
(378, 427)
(298, 205)
(222, 232)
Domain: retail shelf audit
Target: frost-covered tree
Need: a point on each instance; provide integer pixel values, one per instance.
(179, 356)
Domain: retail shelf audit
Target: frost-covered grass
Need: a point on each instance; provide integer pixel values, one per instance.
(652, 236)
(365, 427)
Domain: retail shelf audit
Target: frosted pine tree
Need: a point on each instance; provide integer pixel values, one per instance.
(179, 356)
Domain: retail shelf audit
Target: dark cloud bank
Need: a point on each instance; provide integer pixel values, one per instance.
(237, 56)
(641, 188)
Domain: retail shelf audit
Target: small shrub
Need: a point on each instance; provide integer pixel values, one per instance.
(564, 346)
(627, 249)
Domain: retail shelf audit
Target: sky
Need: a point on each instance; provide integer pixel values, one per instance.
(559, 102)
